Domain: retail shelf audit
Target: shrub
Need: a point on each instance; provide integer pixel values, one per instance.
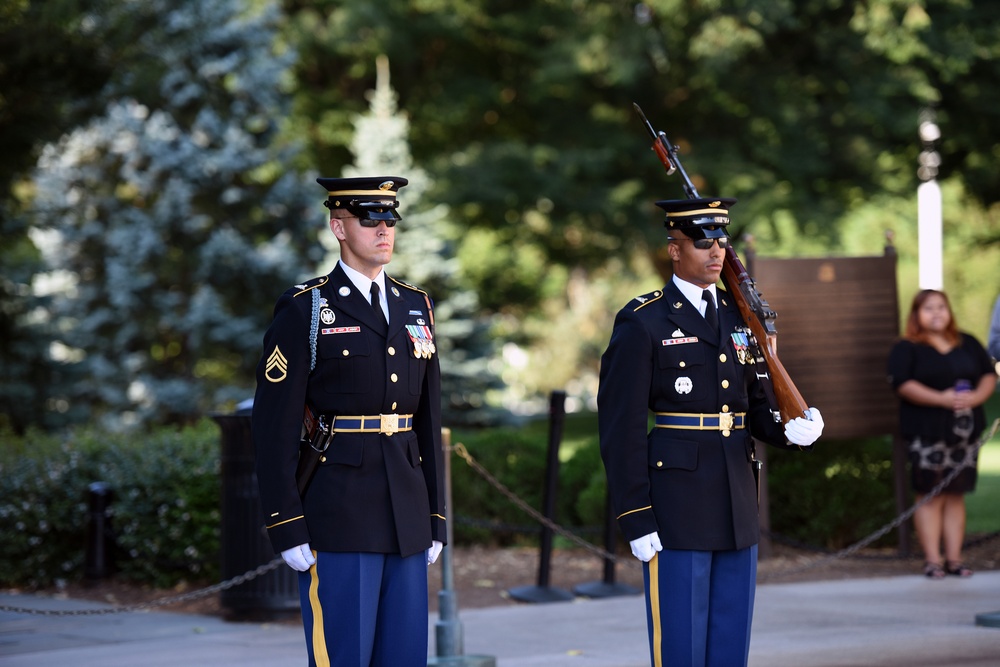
(517, 457)
(164, 512)
(517, 460)
(834, 495)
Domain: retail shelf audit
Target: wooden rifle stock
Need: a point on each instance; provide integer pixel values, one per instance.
(756, 313)
(760, 320)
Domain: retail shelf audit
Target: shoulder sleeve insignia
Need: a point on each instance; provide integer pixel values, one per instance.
(276, 368)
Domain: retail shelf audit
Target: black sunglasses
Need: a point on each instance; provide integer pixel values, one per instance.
(705, 244)
(368, 222)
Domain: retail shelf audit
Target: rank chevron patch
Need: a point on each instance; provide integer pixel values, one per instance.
(276, 368)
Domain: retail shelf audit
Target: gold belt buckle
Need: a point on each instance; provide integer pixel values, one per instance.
(389, 424)
(726, 421)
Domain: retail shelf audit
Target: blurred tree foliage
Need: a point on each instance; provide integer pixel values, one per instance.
(805, 111)
(521, 116)
(168, 222)
(526, 112)
(53, 62)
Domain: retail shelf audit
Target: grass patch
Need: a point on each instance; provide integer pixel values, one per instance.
(981, 506)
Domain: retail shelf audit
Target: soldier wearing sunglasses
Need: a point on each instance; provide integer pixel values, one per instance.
(684, 491)
(356, 350)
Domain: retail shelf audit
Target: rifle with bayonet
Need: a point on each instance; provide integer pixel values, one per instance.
(787, 402)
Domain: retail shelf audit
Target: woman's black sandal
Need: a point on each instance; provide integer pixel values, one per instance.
(956, 568)
(933, 570)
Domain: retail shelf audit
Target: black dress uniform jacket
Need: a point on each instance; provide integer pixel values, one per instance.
(372, 492)
(695, 488)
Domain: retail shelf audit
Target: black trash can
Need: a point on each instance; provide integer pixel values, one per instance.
(244, 539)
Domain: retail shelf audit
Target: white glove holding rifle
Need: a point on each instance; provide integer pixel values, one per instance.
(804, 431)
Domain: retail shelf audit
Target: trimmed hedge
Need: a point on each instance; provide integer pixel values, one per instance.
(164, 513)
(827, 498)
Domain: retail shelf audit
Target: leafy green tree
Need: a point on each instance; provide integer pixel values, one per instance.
(169, 224)
(805, 111)
(521, 116)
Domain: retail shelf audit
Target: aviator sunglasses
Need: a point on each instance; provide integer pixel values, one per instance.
(704, 244)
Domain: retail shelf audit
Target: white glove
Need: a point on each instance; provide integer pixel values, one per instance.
(299, 558)
(433, 552)
(804, 432)
(645, 547)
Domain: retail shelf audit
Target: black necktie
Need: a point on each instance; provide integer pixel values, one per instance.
(711, 316)
(377, 306)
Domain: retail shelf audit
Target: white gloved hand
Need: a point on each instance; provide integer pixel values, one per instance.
(299, 558)
(433, 552)
(645, 547)
(804, 432)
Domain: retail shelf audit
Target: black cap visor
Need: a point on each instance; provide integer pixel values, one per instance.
(373, 210)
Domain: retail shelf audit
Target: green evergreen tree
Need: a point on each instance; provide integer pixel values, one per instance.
(425, 256)
(54, 59)
(170, 224)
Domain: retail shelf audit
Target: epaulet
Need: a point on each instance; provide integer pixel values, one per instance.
(646, 299)
(406, 285)
(427, 299)
(310, 284)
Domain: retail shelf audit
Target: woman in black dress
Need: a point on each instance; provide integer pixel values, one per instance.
(942, 376)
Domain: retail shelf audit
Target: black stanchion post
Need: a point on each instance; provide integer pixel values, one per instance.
(543, 592)
(607, 587)
(97, 564)
(448, 633)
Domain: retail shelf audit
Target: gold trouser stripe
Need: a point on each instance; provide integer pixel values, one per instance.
(654, 605)
(318, 634)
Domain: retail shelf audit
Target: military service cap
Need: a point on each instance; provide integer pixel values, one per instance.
(702, 218)
(368, 197)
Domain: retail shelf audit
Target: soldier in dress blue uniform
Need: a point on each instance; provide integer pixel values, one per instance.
(357, 348)
(685, 491)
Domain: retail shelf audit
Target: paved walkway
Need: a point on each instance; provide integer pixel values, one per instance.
(905, 621)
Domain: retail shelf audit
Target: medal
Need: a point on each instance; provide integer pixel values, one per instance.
(423, 341)
(742, 345)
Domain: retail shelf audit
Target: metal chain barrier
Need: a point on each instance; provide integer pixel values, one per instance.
(895, 523)
(460, 449)
(160, 602)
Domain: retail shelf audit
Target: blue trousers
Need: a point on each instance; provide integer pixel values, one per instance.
(699, 607)
(365, 610)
